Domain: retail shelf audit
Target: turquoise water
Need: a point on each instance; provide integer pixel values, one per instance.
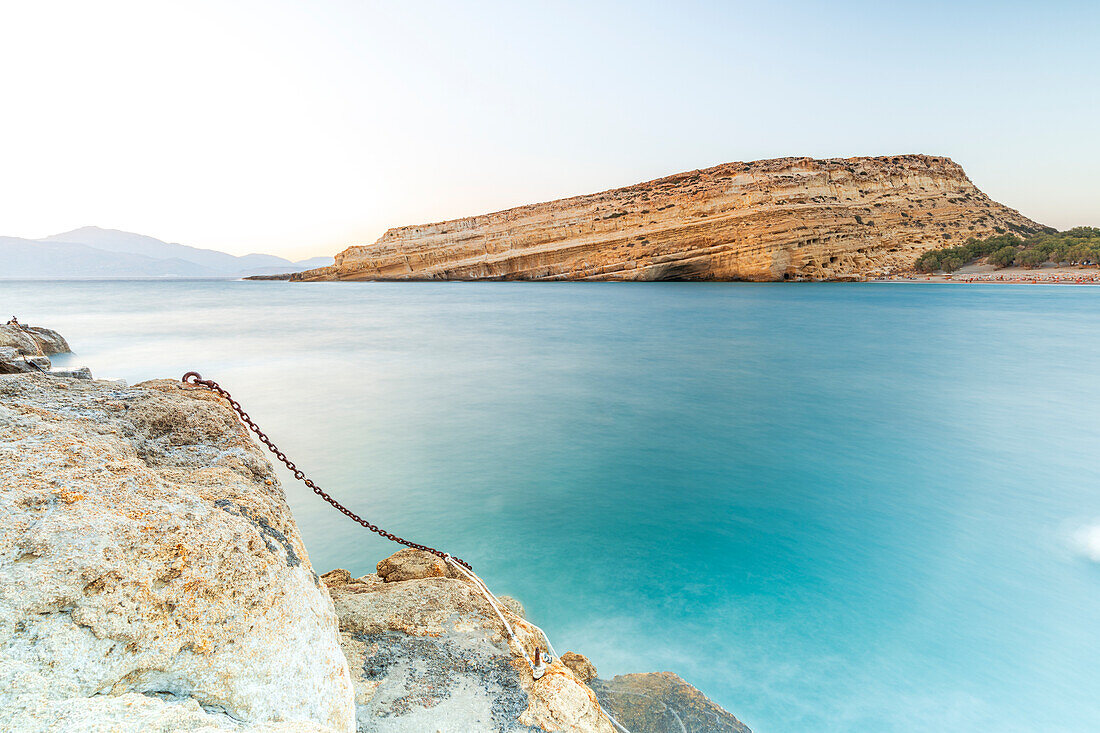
(834, 507)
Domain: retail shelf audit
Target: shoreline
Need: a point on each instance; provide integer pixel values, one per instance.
(969, 275)
(191, 534)
(987, 275)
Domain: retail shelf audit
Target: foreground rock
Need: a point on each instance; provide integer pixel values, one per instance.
(151, 575)
(428, 653)
(661, 702)
(153, 579)
(788, 218)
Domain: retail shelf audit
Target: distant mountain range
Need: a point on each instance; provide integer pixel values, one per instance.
(96, 252)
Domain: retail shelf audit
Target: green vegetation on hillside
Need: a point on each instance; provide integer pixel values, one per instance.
(1077, 246)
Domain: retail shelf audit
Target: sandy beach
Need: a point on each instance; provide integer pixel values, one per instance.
(1050, 275)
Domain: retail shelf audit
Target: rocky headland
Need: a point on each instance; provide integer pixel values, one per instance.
(152, 578)
(781, 219)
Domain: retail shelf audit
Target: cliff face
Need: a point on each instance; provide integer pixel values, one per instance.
(788, 218)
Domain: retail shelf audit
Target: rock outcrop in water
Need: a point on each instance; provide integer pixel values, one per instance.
(428, 652)
(661, 701)
(788, 218)
(29, 348)
(152, 578)
(32, 340)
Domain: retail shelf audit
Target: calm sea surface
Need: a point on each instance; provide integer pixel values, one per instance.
(831, 507)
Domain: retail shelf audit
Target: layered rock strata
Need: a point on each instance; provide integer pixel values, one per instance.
(782, 219)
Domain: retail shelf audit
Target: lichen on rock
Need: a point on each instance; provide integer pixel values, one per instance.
(411, 564)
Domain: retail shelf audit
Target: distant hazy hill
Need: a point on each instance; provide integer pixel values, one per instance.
(315, 262)
(96, 252)
(298, 266)
(31, 258)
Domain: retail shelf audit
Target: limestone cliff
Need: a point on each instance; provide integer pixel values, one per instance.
(788, 218)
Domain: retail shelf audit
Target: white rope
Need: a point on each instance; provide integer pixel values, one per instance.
(492, 602)
(536, 670)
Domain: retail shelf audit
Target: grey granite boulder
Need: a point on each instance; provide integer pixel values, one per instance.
(20, 364)
(25, 349)
(15, 337)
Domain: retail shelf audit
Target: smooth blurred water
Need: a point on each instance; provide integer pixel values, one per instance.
(830, 507)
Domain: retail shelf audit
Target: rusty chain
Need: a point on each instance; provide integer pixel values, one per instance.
(196, 379)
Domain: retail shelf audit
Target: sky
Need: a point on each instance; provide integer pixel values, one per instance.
(299, 128)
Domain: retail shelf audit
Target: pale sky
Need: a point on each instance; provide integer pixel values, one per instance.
(300, 128)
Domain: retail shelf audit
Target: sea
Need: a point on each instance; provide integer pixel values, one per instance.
(829, 506)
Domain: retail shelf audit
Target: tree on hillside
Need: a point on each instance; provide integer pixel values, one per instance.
(1030, 257)
(1080, 245)
(1079, 253)
(1003, 257)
